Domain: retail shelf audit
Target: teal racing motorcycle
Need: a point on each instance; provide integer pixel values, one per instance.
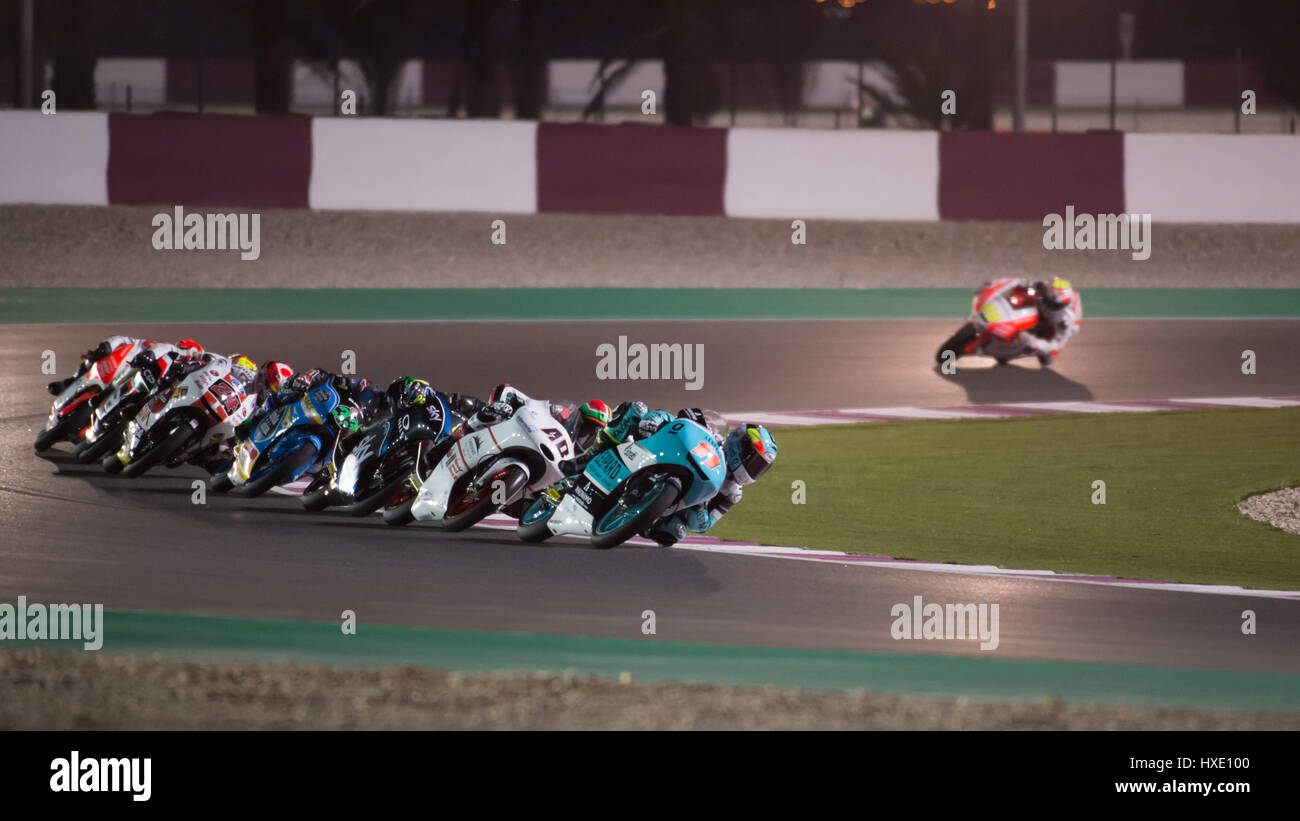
(627, 489)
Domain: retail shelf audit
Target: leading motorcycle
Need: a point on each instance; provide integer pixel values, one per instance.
(1000, 311)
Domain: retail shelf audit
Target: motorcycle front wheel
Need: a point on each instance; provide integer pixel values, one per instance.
(635, 510)
(533, 525)
(957, 342)
(159, 453)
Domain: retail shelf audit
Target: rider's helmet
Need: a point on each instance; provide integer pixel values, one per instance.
(238, 360)
(276, 375)
(189, 347)
(594, 411)
(1056, 294)
(590, 419)
(407, 390)
(750, 451)
(347, 417)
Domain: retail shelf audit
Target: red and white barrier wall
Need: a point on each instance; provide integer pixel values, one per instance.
(507, 167)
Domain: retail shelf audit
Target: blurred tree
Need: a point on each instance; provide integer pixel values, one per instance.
(690, 91)
(480, 59)
(917, 71)
(528, 66)
(273, 50)
(77, 25)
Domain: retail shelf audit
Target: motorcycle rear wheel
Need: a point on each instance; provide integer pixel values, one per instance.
(278, 475)
(472, 509)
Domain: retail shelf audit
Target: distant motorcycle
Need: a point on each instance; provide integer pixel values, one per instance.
(627, 489)
(285, 444)
(487, 470)
(1000, 311)
(369, 468)
(198, 416)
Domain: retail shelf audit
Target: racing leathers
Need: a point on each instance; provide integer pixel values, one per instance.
(1056, 324)
(368, 399)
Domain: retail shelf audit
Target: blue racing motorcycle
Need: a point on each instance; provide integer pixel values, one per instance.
(287, 443)
(627, 489)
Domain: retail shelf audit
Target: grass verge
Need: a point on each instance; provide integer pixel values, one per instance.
(1019, 493)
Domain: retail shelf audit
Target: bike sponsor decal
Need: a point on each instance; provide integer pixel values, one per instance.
(561, 442)
(267, 426)
(225, 395)
(707, 455)
(366, 448)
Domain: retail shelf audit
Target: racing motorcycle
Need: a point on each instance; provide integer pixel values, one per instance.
(627, 489)
(287, 443)
(70, 412)
(190, 421)
(366, 470)
(113, 409)
(999, 312)
(489, 469)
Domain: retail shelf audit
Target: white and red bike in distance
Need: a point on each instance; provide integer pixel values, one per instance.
(70, 413)
(1000, 311)
(196, 415)
(488, 469)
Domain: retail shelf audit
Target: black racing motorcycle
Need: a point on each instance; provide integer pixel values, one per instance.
(371, 466)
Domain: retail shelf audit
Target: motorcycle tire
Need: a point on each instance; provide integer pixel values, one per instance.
(111, 464)
(957, 342)
(88, 452)
(652, 505)
(304, 454)
(220, 482)
(400, 515)
(468, 515)
(536, 530)
(50, 436)
(376, 500)
(163, 451)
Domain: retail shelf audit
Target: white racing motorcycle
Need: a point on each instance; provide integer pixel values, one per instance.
(196, 417)
(488, 469)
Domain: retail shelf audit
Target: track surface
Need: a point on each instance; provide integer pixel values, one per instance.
(74, 534)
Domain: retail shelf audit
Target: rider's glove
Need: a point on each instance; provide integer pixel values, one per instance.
(496, 412)
(647, 427)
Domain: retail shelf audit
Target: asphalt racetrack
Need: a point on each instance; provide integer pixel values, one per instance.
(72, 533)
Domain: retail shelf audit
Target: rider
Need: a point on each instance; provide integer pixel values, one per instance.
(1060, 312)
(183, 348)
(280, 393)
(584, 426)
(749, 451)
(633, 419)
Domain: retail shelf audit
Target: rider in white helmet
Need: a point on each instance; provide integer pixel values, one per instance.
(1060, 312)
